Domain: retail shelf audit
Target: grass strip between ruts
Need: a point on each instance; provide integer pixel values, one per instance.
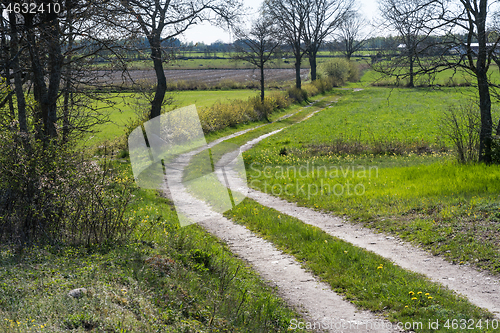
(364, 278)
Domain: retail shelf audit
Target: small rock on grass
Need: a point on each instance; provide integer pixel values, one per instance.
(77, 293)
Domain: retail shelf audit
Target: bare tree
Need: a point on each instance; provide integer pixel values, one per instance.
(410, 19)
(161, 20)
(351, 34)
(471, 16)
(421, 19)
(290, 18)
(323, 18)
(37, 57)
(47, 50)
(257, 46)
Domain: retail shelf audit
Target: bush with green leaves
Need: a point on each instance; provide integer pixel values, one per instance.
(51, 193)
(297, 95)
(339, 71)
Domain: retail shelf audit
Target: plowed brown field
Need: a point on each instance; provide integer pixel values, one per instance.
(207, 76)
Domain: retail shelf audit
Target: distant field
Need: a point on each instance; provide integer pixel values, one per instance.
(124, 108)
(447, 77)
(209, 77)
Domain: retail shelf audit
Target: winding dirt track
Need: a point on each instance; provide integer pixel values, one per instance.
(314, 299)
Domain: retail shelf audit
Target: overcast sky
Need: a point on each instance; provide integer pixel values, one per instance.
(209, 34)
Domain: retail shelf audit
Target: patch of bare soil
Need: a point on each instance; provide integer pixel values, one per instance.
(208, 76)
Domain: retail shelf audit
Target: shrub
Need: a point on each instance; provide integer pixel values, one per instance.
(311, 89)
(495, 150)
(49, 193)
(354, 72)
(221, 115)
(263, 108)
(337, 70)
(323, 85)
(461, 124)
(279, 99)
(297, 95)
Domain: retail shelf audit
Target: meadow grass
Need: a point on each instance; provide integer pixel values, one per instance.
(364, 278)
(424, 197)
(166, 279)
(376, 114)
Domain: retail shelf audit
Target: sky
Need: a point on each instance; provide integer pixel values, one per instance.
(209, 34)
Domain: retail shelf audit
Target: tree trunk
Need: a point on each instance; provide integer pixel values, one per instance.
(486, 120)
(298, 82)
(161, 80)
(262, 83)
(262, 90)
(312, 62)
(411, 74)
(483, 87)
(6, 56)
(67, 80)
(55, 67)
(45, 114)
(18, 81)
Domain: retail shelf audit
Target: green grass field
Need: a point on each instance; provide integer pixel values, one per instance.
(367, 280)
(360, 158)
(444, 78)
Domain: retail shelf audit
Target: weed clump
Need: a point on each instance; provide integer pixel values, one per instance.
(461, 124)
(339, 71)
(297, 95)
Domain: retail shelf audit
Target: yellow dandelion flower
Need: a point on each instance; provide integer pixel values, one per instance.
(419, 293)
(427, 294)
(406, 306)
(430, 297)
(411, 293)
(414, 298)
